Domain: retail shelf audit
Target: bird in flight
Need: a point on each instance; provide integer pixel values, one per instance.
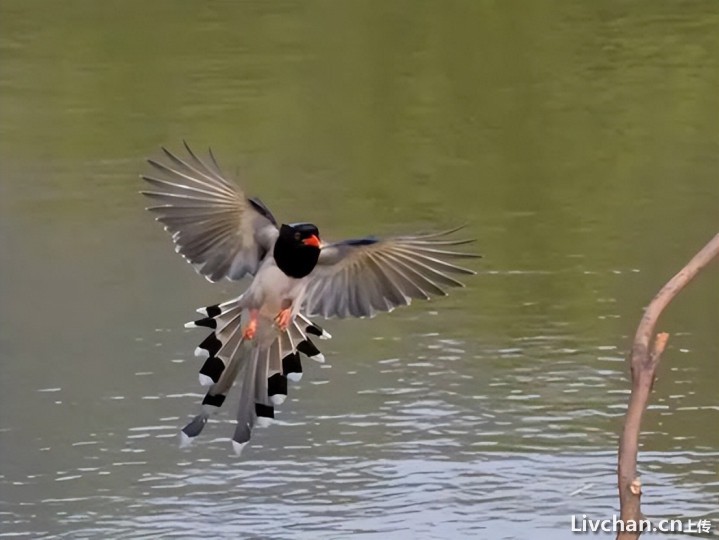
(256, 339)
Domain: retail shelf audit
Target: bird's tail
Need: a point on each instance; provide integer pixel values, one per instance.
(262, 371)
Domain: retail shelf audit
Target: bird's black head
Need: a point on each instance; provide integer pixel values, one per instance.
(297, 249)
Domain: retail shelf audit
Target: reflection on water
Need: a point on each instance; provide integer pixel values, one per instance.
(581, 145)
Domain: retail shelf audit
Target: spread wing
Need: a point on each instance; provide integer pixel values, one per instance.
(358, 278)
(213, 225)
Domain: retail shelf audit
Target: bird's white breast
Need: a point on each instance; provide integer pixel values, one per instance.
(272, 287)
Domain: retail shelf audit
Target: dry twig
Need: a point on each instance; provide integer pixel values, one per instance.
(644, 363)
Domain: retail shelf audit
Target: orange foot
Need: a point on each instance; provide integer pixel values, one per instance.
(283, 319)
(250, 329)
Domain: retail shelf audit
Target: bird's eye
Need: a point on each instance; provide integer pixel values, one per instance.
(297, 236)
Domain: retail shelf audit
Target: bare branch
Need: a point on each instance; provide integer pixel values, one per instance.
(644, 363)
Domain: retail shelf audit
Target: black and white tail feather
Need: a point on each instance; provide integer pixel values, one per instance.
(226, 235)
(262, 372)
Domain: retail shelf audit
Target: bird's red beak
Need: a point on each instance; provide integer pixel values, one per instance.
(312, 241)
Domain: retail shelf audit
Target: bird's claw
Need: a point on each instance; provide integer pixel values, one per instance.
(283, 319)
(250, 330)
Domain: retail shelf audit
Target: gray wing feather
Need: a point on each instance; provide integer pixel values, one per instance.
(213, 225)
(358, 278)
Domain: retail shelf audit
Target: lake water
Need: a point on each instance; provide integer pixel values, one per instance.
(580, 141)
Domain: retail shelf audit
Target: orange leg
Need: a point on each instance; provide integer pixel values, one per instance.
(251, 327)
(284, 318)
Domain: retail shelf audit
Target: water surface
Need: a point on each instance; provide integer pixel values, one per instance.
(579, 142)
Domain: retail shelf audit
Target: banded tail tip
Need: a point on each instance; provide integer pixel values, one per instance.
(265, 415)
(210, 311)
(277, 389)
(213, 401)
(211, 371)
(207, 322)
(318, 331)
(205, 380)
(237, 447)
(308, 348)
(185, 439)
(193, 429)
(292, 367)
(264, 411)
(211, 345)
